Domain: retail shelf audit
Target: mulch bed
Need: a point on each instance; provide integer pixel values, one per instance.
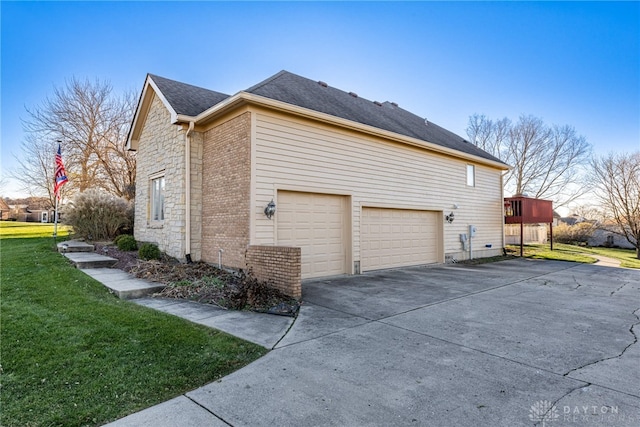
(205, 283)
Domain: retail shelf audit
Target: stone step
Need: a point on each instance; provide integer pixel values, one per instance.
(83, 260)
(74, 246)
(122, 284)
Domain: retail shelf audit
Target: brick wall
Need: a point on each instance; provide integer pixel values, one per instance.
(280, 266)
(226, 180)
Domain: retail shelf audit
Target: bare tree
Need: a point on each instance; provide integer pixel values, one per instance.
(36, 167)
(491, 136)
(92, 125)
(546, 160)
(616, 181)
(4, 182)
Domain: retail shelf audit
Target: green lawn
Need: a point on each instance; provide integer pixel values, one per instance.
(627, 257)
(72, 354)
(12, 229)
(564, 252)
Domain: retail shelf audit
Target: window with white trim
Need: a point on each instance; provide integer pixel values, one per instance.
(157, 198)
(471, 175)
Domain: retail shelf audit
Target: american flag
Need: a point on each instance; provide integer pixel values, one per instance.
(61, 174)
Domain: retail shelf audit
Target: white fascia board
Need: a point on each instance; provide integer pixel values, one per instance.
(142, 109)
(174, 115)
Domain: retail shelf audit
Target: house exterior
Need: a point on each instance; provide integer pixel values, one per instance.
(31, 209)
(5, 210)
(357, 185)
(611, 236)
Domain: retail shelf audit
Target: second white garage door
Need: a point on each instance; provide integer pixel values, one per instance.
(397, 238)
(317, 224)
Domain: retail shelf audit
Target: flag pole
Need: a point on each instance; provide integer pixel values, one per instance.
(60, 180)
(55, 221)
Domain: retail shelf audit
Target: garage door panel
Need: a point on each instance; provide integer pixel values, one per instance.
(316, 224)
(397, 237)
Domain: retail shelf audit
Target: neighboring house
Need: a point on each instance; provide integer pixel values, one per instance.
(24, 213)
(609, 236)
(572, 219)
(4, 210)
(356, 185)
(30, 209)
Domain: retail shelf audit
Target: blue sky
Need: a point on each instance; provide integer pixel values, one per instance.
(569, 63)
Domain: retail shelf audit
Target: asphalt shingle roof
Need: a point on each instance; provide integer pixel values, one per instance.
(187, 99)
(302, 92)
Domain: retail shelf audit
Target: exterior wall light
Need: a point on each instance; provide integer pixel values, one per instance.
(449, 218)
(270, 210)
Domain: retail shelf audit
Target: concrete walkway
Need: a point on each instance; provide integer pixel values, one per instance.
(514, 343)
(259, 328)
(604, 261)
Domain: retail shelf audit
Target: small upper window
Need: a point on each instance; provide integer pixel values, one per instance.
(157, 199)
(471, 175)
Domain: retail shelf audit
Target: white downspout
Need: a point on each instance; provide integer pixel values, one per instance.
(187, 198)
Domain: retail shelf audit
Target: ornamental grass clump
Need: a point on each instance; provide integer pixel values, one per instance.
(96, 215)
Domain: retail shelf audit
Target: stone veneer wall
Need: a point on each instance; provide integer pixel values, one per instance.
(161, 149)
(226, 185)
(279, 266)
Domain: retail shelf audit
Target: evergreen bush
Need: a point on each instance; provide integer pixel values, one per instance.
(149, 251)
(127, 242)
(118, 237)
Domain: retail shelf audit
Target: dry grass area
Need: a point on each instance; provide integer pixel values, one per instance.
(205, 283)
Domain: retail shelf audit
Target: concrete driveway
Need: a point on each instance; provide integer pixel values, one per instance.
(515, 343)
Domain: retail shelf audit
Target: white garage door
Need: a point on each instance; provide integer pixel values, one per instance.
(315, 223)
(397, 237)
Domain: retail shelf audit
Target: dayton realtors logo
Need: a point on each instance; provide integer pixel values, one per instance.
(544, 411)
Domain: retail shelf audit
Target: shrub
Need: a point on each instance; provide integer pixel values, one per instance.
(573, 234)
(96, 215)
(118, 237)
(149, 251)
(126, 242)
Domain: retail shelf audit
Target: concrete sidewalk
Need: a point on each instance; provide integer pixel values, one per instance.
(262, 329)
(259, 328)
(515, 343)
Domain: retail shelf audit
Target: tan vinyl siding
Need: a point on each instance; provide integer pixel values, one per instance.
(301, 155)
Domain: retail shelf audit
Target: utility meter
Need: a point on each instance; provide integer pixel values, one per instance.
(472, 230)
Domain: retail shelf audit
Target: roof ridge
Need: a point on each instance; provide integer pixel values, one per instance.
(269, 80)
(185, 98)
(186, 84)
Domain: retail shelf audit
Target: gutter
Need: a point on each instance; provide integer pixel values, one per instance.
(187, 197)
